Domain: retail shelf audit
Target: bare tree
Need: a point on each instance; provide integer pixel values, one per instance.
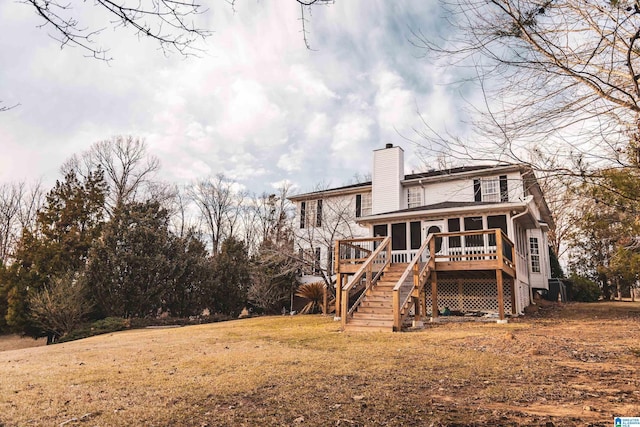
(219, 207)
(168, 22)
(266, 217)
(128, 167)
(19, 206)
(10, 206)
(559, 81)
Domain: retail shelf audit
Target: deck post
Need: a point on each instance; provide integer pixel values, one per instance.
(417, 315)
(325, 300)
(338, 296)
(500, 286)
(499, 251)
(434, 297)
(513, 296)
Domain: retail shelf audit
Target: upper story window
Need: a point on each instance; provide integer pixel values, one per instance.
(311, 213)
(363, 204)
(492, 189)
(414, 197)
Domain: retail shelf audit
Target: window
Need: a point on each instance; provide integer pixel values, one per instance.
(414, 197)
(363, 205)
(311, 213)
(535, 254)
(303, 212)
(492, 189)
(319, 213)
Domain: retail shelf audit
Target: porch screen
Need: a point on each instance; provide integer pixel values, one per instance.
(380, 230)
(453, 225)
(399, 236)
(416, 234)
(473, 223)
(496, 221)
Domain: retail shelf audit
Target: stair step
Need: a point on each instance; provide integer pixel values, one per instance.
(359, 328)
(370, 322)
(371, 301)
(385, 292)
(375, 310)
(372, 317)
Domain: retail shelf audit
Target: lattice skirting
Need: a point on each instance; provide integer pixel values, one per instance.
(470, 295)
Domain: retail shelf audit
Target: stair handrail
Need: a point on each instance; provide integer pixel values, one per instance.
(366, 267)
(419, 275)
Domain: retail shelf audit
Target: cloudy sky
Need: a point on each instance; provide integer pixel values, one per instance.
(256, 105)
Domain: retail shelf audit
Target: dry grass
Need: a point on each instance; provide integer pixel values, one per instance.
(574, 366)
(16, 342)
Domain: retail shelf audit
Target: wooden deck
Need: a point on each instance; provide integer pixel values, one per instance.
(366, 265)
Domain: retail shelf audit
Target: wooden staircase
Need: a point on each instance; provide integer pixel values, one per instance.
(375, 312)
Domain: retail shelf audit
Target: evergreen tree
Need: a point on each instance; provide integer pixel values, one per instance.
(232, 279)
(66, 227)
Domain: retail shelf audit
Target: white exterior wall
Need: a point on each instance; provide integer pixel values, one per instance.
(388, 171)
(339, 213)
(461, 190)
(451, 191)
(539, 280)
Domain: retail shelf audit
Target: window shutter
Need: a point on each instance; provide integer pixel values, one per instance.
(319, 213)
(504, 190)
(303, 206)
(358, 205)
(477, 190)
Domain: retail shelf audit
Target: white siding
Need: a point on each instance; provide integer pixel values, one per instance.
(388, 171)
(461, 190)
(338, 220)
(539, 280)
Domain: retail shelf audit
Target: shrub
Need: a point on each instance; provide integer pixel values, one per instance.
(60, 307)
(314, 293)
(584, 290)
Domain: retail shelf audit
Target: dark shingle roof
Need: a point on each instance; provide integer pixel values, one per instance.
(442, 205)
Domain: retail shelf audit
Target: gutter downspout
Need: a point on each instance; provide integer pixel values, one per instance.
(513, 227)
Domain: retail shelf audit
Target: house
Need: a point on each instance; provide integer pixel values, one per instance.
(463, 240)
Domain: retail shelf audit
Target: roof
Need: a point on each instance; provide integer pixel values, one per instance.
(442, 205)
(413, 176)
(328, 191)
(451, 171)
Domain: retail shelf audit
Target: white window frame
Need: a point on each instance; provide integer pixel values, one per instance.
(490, 189)
(365, 204)
(534, 254)
(414, 197)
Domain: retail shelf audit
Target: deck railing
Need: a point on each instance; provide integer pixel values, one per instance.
(412, 281)
(480, 245)
(354, 252)
(370, 269)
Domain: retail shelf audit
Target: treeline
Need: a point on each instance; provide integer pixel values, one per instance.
(108, 240)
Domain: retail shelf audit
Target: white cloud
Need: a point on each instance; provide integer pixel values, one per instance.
(257, 105)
